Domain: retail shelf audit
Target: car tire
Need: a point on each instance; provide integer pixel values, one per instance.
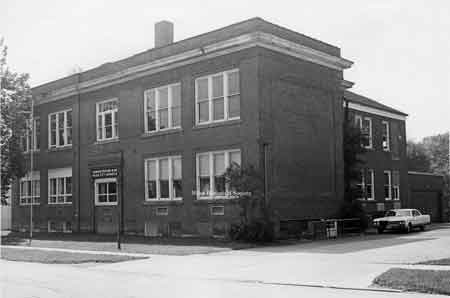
(380, 230)
(422, 228)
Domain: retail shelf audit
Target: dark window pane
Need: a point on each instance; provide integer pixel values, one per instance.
(102, 198)
(164, 188)
(234, 106)
(68, 185)
(108, 132)
(151, 189)
(219, 185)
(112, 187)
(177, 189)
(151, 121)
(69, 199)
(112, 198)
(163, 118)
(101, 188)
(108, 119)
(218, 109)
(204, 186)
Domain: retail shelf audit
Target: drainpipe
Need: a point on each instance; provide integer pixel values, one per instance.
(79, 153)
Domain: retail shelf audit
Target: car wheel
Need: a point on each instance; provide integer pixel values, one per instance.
(408, 228)
(380, 230)
(422, 228)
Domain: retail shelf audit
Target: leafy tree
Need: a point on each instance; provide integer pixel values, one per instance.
(417, 157)
(247, 185)
(15, 98)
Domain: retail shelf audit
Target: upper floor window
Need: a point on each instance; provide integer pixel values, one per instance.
(30, 190)
(218, 97)
(365, 124)
(107, 120)
(163, 178)
(211, 167)
(385, 136)
(31, 140)
(162, 108)
(387, 185)
(60, 186)
(365, 184)
(60, 129)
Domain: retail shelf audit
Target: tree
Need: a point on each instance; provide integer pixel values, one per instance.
(15, 99)
(417, 157)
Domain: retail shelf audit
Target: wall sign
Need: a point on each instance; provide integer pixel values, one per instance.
(104, 173)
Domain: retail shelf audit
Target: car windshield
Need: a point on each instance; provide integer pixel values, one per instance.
(398, 213)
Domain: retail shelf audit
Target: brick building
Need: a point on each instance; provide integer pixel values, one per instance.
(156, 131)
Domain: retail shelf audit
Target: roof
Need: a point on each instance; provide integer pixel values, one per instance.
(365, 101)
(424, 174)
(199, 41)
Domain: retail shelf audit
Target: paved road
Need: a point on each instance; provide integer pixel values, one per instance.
(307, 270)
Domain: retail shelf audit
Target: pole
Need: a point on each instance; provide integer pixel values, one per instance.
(31, 169)
(119, 201)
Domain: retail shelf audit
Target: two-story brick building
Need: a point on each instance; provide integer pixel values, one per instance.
(156, 131)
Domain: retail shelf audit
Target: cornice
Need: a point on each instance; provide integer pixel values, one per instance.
(255, 39)
(374, 111)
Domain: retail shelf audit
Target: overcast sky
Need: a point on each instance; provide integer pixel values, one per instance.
(401, 49)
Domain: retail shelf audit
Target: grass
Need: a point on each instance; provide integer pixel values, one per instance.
(414, 280)
(130, 244)
(440, 262)
(58, 257)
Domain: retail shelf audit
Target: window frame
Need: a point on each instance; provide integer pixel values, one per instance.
(371, 173)
(387, 185)
(395, 187)
(157, 103)
(211, 195)
(210, 100)
(386, 124)
(106, 180)
(30, 199)
(27, 141)
(359, 122)
(62, 173)
(114, 112)
(65, 128)
(170, 172)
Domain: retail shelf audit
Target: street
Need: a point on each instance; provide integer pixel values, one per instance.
(334, 268)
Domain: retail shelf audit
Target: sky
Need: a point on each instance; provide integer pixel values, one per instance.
(400, 49)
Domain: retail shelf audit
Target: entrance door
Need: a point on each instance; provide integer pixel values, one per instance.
(106, 212)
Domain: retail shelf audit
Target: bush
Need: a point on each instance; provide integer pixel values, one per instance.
(354, 209)
(256, 231)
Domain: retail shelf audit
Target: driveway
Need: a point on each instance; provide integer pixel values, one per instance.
(335, 268)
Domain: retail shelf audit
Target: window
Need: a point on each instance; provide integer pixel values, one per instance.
(396, 185)
(217, 210)
(162, 108)
(387, 185)
(60, 129)
(107, 120)
(162, 211)
(60, 186)
(385, 135)
(31, 140)
(30, 189)
(361, 185)
(218, 97)
(211, 167)
(369, 185)
(365, 125)
(106, 191)
(163, 178)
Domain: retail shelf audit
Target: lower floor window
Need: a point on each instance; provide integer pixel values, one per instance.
(106, 191)
(30, 190)
(387, 185)
(365, 184)
(396, 185)
(163, 178)
(211, 167)
(60, 190)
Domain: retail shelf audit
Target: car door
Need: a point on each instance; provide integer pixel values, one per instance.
(416, 217)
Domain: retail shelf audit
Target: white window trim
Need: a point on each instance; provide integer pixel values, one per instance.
(359, 122)
(212, 195)
(115, 134)
(210, 97)
(55, 174)
(34, 176)
(372, 177)
(105, 180)
(49, 229)
(390, 185)
(169, 105)
(388, 135)
(34, 137)
(158, 190)
(66, 142)
(65, 230)
(396, 187)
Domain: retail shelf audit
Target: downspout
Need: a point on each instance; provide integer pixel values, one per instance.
(79, 153)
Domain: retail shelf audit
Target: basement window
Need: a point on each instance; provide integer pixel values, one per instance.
(217, 210)
(162, 210)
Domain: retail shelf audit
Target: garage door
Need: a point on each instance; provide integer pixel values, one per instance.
(427, 202)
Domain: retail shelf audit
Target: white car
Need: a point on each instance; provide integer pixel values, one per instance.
(402, 219)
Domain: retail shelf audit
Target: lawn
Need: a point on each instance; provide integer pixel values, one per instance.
(58, 257)
(414, 280)
(130, 244)
(440, 262)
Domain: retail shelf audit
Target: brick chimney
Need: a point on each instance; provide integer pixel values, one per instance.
(163, 33)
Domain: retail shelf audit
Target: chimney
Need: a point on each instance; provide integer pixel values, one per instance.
(163, 33)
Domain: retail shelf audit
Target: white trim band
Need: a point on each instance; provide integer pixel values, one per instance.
(374, 111)
(232, 45)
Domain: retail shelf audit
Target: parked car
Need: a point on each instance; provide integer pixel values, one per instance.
(402, 219)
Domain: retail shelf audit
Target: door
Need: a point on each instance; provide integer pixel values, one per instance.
(106, 211)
